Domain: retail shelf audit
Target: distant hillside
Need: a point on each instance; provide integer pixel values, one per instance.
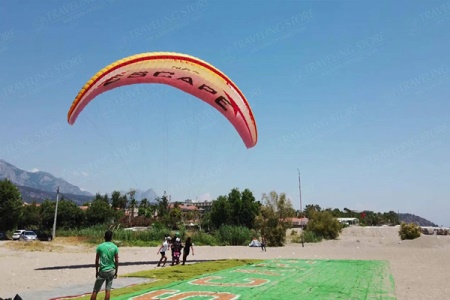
(30, 194)
(410, 218)
(38, 186)
(38, 180)
(149, 194)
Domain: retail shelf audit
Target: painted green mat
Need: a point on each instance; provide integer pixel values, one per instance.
(284, 279)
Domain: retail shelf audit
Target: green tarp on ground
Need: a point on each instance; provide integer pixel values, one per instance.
(285, 279)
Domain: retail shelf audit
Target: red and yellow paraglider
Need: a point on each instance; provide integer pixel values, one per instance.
(181, 71)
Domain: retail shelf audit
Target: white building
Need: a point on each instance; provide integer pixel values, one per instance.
(349, 221)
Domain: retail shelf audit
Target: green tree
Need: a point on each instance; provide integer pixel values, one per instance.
(196, 216)
(370, 219)
(99, 212)
(391, 218)
(187, 216)
(220, 212)
(123, 202)
(145, 209)
(70, 215)
(245, 213)
(162, 208)
(237, 209)
(100, 197)
(337, 213)
(133, 203)
(310, 209)
(31, 217)
(47, 213)
(205, 221)
(324, 225)
(349, 212)
(10, 205)
(273, 220)
(115, 199)
(174, 217)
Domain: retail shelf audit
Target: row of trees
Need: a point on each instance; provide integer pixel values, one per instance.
(240, 209)
(269, 217)
(366, 218)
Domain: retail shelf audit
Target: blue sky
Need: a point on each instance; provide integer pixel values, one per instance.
(353, 94)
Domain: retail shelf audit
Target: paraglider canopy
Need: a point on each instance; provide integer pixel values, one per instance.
(181, 71)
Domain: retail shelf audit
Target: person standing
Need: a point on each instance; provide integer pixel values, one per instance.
(176, 251)
(163, 249)
(263, 243)
(172, 246)
(106, 266)
(187, 248)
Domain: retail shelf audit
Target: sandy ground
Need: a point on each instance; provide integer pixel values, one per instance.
(421, 267)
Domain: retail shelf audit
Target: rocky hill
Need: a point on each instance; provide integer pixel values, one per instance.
(410, 218)
(38, 180)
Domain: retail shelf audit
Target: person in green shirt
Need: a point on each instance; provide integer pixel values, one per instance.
(106, 266)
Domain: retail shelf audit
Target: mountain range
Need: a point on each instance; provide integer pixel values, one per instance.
(30, 195)
(38, 186)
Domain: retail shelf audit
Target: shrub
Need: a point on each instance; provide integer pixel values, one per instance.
(276, 234)
(324, 225)
(94, 234)
(200, 238)
(234, 235)
(310, 237)
(296, 239)
(409, 231)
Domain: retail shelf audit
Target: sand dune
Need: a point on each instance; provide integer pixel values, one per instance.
(421, 267)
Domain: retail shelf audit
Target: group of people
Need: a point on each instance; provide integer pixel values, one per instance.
(175, 246)
(107, 260)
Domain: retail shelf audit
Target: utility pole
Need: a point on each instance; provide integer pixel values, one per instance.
(300, 192)
(56, 213)
(301, 207)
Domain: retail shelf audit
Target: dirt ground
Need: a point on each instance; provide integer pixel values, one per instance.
(421, 267)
